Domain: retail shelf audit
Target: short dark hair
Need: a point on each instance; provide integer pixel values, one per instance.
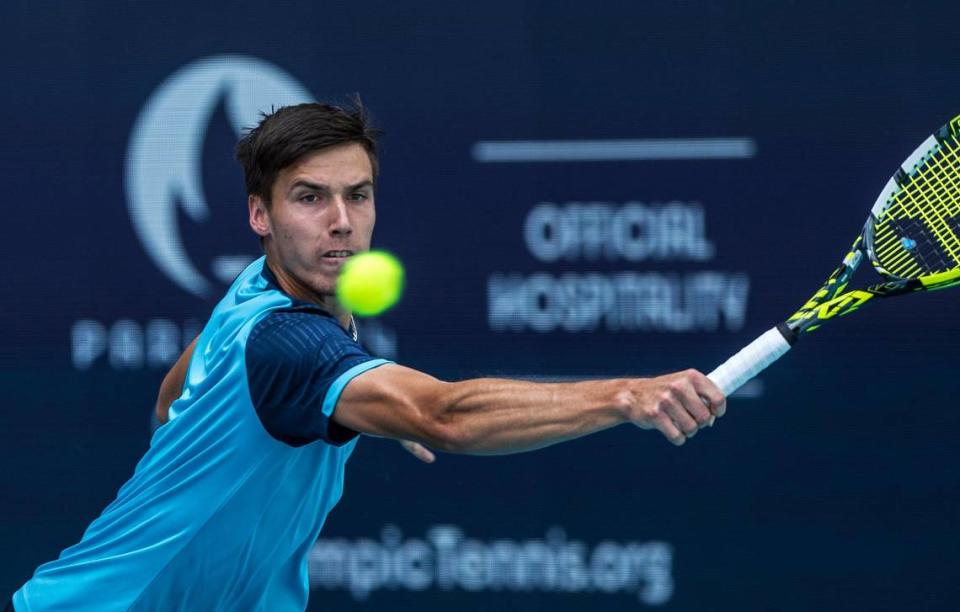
(287, 134)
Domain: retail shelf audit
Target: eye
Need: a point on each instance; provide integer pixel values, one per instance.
(359, 196)
(309, 198)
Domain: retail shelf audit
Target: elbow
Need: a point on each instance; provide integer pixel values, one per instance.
(450, 436)
(443, 427)
(426, 413)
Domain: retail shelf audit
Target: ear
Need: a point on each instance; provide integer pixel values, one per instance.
(259, 216)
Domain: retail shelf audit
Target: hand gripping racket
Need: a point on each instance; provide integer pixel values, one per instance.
(912, 237)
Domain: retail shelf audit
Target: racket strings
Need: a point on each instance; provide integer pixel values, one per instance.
(945, 207)
(920, 233)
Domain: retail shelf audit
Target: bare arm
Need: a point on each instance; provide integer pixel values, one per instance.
(494, 416)
(172, 385)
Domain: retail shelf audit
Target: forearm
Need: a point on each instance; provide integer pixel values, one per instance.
(496, 416)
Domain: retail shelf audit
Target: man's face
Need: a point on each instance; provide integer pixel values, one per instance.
(321, 212)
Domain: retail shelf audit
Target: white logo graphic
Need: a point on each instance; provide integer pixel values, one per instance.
(164, 155)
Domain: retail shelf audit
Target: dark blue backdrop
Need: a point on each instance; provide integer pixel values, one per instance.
(830, 485)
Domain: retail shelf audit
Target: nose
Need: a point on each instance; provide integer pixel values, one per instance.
(340, 225)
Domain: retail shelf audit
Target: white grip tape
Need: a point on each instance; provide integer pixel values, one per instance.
(750, 361)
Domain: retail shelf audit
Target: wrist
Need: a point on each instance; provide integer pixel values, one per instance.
(623, 400)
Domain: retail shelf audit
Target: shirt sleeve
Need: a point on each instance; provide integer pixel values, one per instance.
(298, 362)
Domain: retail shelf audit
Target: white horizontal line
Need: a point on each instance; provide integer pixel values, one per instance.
(487, 151)
(751, 390)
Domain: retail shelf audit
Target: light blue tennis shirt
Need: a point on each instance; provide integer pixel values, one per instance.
(222, 510)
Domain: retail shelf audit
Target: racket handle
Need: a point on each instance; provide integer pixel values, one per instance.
(753, 358)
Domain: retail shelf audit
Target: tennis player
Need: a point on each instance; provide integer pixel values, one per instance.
(266, 405)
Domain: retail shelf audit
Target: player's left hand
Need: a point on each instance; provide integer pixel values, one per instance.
(419, 451)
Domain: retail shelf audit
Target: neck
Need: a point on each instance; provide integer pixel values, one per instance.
(294, 288)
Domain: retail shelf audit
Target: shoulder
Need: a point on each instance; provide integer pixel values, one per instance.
(293, 334)
(298, 348)
(297, 362)
(296, 322)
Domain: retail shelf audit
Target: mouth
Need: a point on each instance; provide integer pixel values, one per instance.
(337, 256)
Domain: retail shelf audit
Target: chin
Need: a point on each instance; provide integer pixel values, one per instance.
(325, 288)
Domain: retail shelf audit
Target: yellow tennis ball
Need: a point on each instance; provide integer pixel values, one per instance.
(370, 283)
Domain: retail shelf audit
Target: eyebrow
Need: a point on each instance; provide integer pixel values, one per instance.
(325, 188)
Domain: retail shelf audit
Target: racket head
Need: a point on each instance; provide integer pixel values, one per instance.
(913, 233)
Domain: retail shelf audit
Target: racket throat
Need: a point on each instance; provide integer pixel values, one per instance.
(789, 334)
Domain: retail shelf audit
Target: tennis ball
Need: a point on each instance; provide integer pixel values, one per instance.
(370, 283)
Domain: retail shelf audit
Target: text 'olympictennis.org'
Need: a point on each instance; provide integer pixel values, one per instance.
(446, 559)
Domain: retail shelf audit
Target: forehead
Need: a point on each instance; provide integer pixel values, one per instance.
(346, 164)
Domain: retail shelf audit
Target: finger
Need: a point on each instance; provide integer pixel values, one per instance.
(713, 417)
(695, 406)
(669, 430)
(419, 451)
(682, 419)
(708, 390)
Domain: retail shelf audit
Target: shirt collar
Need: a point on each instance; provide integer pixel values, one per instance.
(272, 283)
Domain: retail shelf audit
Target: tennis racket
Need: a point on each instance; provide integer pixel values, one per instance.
(912, 238)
